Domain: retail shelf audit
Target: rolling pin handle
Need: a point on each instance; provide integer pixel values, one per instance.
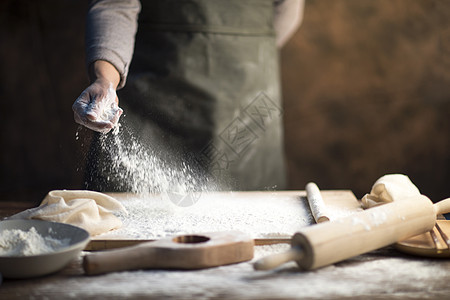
(442, 207)
(276, 260)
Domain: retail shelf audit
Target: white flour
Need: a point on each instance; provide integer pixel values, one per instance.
(16, 242)
(379, 275)
(107, 106)
(261, 215)
(136, 168)
(155, 212)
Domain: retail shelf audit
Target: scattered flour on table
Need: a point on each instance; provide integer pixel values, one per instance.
(336, 211)
(371, 276)
(261, 215)
(16, 242)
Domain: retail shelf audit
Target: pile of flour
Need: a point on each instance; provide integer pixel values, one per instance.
(16, 242)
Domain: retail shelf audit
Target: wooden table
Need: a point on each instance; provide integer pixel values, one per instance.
(382, 274)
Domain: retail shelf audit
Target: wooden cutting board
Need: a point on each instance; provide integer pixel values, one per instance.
(269, 217)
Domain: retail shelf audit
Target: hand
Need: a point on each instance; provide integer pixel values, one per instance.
(97, 107)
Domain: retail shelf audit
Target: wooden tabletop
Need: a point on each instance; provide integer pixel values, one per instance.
(382, 274)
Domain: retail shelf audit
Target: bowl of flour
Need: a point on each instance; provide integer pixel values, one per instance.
(31, 248)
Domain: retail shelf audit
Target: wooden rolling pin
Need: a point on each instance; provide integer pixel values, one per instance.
(316, 203)
(329, 242)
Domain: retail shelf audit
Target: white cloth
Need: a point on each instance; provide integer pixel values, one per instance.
(92, 211)
(392, 187)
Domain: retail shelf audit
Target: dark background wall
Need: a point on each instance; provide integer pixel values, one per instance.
(366, 88)
(41, 73)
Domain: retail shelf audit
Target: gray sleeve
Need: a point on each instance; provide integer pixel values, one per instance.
(288, 17)
(111, 27)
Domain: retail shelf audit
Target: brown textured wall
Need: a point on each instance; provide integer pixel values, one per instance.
(367, 92)
(366, 87)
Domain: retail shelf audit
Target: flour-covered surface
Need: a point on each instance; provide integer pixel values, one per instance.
(260, 214)
(383, 274)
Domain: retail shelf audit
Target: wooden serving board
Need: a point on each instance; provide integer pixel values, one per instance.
(431, 244)
(269, 217)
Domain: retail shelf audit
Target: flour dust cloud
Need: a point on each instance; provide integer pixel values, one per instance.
(139, 169)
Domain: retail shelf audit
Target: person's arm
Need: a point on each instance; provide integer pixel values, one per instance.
(103, 71)
(111, 27)
(287, 19)
(110, 31)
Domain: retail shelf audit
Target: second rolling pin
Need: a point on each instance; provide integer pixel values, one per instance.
(316, 203)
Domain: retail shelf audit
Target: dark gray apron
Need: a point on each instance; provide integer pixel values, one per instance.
(203, 88)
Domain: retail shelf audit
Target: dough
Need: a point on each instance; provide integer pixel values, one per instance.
(92, 211)
(392, 187)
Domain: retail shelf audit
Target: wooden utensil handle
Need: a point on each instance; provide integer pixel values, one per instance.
(130, 258)
(275, 260)
(442, 207)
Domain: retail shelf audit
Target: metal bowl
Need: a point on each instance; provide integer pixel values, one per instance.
(43, 264)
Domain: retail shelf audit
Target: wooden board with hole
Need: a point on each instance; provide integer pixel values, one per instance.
(184, 252)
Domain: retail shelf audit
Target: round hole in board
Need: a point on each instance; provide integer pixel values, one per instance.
(191, 239)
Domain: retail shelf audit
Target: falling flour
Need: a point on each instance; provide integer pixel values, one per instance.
(16, 242)
(139, 169)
